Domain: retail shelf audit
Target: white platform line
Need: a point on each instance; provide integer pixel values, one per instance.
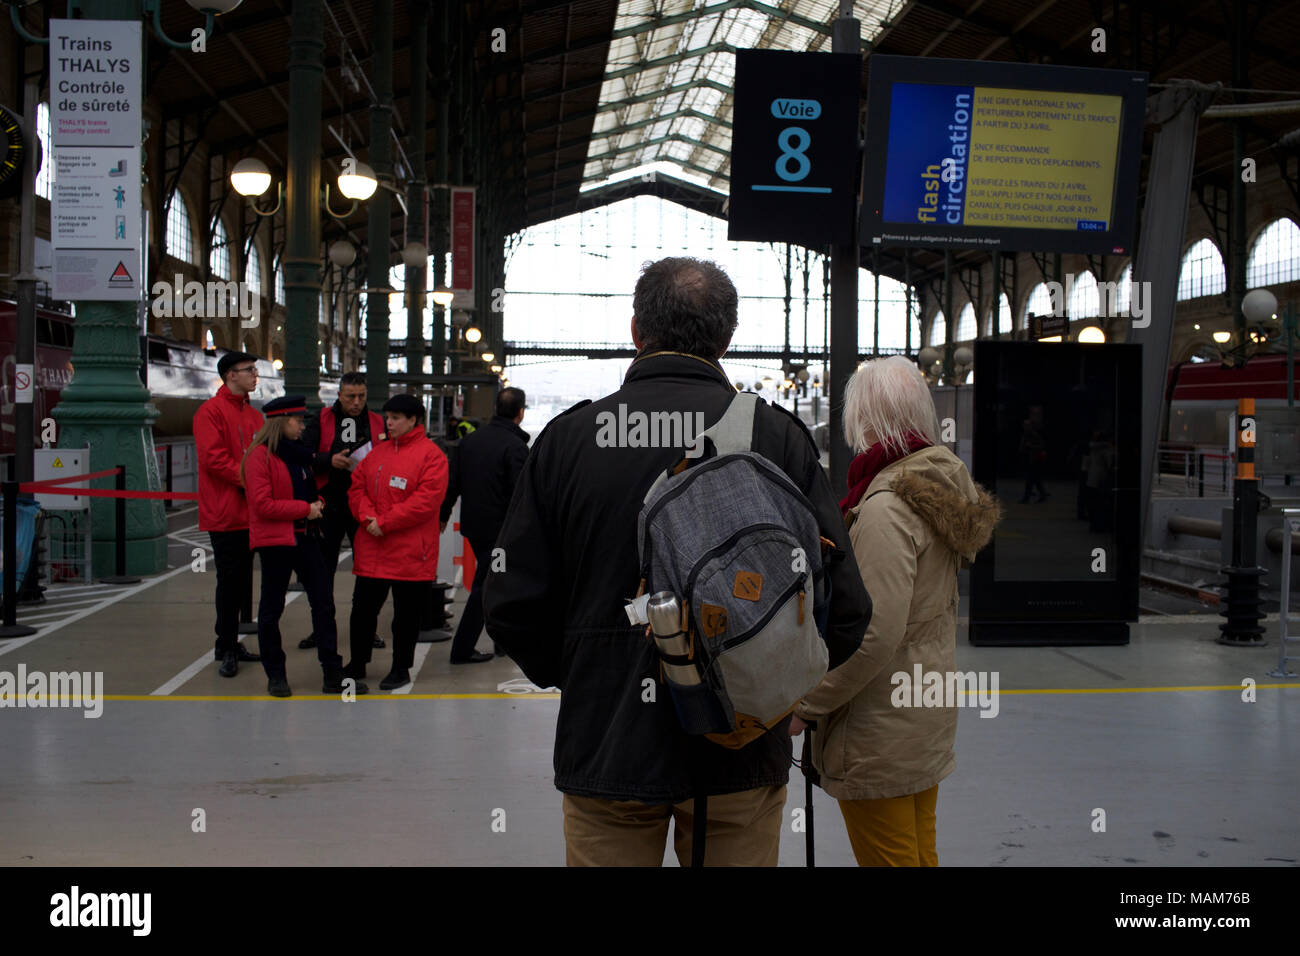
(121, 594)
(421, 652)
(184, 676)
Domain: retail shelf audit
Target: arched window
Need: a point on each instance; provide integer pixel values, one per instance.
(966, 326)
(1039, 303)
(1003, 316)
(180, 238)
(279, 285)
(45, 176)
(938, 329)
(253, 271)
(219, 257)
(1124, 291)
(1084, 300)
(1202, 272)
(1275, 256)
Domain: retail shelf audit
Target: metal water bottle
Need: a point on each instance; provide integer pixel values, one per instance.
(665, 615)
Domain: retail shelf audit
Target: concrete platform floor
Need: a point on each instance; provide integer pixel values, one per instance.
(1156, 734)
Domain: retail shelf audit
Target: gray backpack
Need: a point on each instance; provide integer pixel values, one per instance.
(738, 544)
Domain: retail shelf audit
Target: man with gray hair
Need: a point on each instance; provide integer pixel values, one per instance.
(556, 604)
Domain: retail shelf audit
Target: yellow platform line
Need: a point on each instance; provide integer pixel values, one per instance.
(543, 696)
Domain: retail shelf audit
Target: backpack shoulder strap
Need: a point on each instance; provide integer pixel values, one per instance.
(734, 431)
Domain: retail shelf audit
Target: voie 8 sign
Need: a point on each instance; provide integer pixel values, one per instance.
(794, 147)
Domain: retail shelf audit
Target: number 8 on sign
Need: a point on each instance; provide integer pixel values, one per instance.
(791, 152)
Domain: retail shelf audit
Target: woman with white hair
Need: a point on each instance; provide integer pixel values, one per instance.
(914, 517)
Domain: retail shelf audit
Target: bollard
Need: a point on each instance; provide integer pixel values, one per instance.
(1242, 609)
(11, 627)
(119, 533)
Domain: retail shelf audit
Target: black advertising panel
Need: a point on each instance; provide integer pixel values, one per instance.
(794, 147)
(963, 154)
(1057, 439)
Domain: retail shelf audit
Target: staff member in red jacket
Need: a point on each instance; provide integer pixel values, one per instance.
(224, 427)
(283, 510)
(395, 495)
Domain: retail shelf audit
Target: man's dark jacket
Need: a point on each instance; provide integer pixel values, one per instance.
(339, 479)
(571, 560)
(483, 475)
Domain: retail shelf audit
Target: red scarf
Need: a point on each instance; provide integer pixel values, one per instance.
(864, 468)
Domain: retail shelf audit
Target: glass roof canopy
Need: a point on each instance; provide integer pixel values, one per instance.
(665, 104)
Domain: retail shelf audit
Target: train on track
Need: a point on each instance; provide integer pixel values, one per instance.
(179, 375)
(1200, 396)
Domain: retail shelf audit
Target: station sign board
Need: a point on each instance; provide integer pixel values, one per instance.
(794, 147)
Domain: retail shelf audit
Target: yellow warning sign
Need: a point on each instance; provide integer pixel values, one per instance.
(58, 463)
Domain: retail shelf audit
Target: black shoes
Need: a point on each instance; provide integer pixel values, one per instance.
(397, 677)
(333, 684)
(355, 671)
(500, 651)
(229, 665)
(245, 656)
(434, 637)
(378, 642)
(306, 642)
(475, 658)
(278, 687)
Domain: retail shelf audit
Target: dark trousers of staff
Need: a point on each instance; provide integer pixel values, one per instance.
(279, 562)
(234, 571)
(335, 526)
(368, 597)
(471, 619)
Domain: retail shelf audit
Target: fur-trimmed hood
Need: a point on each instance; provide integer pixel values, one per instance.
(935, 484)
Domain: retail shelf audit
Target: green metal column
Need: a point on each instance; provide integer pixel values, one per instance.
(106, 407)
(417, 215)
(379, 225)
(440, 172)
(302, 259)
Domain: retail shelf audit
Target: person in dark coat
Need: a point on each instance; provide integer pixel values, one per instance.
(346, 428)
(483, 475)
(622, 760)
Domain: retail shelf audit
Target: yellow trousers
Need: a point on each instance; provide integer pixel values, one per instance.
(898, 831)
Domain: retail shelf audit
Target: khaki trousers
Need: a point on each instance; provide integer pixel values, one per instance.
(744, 829)
(899, 831)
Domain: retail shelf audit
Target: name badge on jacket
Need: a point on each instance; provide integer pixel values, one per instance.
(396, 482)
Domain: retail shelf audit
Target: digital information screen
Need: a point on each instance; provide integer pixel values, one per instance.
(1037, 158)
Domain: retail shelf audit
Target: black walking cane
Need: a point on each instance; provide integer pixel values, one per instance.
(810, 777)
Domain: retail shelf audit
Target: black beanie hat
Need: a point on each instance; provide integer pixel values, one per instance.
(405, 405)
(231, 359)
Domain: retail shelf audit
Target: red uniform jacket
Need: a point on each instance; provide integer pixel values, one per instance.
(223, 429)
(402, 483)
(272, 508)
(327, 438)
